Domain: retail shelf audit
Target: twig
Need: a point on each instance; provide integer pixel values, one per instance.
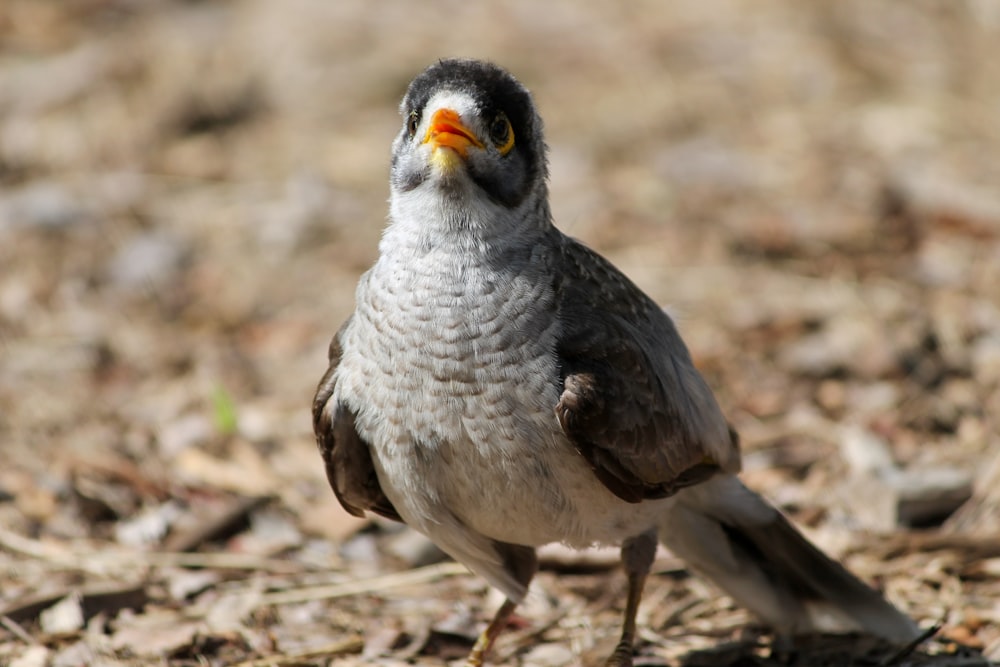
(344, 646)
(911, 647)
(518, 641)
(28, 547)
(222, 524)
(224, 561)
(411, 577)
(16, 629)
(971, 546)
(80, 559)
(93, 600)
(125, 471)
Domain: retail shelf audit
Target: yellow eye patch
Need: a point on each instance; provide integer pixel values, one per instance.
(502, 133)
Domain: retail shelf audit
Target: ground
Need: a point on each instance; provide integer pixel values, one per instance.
(189, 191)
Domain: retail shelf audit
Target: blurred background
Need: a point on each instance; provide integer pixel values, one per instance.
(189, 191)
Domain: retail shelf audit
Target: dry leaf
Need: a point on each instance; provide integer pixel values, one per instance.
(63, 617)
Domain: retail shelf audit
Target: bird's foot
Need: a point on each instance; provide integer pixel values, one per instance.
(475, 659)
(478, 654)
(622, 657)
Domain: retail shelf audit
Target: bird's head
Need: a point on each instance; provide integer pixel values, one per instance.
(470, 138)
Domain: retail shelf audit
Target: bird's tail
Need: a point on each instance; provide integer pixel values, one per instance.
(746, 546)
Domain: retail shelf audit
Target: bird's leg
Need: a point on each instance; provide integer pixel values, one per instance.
(489, 635)
(637, 557)
(521, 563)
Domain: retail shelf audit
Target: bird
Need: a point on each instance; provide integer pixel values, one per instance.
(500, 386)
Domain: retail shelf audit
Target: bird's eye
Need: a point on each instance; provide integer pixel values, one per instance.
(412, 122)
(501, 133)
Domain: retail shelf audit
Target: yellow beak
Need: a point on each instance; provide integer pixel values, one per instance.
(447, 131)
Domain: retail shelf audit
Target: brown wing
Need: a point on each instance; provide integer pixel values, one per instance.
(632, 403)
(348, 459)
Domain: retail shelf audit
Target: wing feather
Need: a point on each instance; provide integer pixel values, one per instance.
(632, 402)
(347, 457)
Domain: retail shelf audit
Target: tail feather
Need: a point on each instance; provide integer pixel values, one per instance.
(747, 547)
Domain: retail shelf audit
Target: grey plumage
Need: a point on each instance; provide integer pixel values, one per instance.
(501, 386)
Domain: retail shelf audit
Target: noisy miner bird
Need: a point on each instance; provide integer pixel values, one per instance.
(501, 386)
